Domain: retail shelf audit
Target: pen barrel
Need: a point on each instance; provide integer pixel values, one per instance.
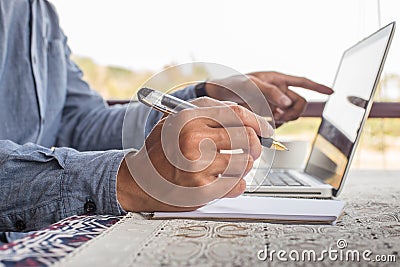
(176, 103)
(267, 142)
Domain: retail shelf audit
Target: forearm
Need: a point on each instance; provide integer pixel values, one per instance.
(40, 186)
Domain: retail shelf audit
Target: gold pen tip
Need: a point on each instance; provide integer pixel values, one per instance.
(279, 146)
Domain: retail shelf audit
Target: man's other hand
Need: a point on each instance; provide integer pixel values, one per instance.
(285, 104)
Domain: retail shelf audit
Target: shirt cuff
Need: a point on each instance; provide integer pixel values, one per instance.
(200, 89)
(90, 183)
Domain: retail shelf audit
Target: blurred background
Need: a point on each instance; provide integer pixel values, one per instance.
(119, 44)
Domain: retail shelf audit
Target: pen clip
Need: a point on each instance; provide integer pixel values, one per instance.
(157, 107)
(150, 98)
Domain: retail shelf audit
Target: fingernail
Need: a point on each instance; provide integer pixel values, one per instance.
(230, 103)
(242, 186)
(285, 101)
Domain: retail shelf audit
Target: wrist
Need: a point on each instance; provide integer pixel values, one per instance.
(129, 195)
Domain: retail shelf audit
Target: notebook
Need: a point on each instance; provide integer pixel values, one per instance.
(268, 209)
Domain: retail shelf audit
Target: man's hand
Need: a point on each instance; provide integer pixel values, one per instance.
(181, 166)
(285, 104)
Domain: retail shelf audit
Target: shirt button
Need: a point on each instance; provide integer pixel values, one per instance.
(20, 225)
(89, 207)
(34, 60)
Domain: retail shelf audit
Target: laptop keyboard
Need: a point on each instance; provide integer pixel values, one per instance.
(282, 179)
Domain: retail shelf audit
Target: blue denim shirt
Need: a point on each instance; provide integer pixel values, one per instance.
(45, 103)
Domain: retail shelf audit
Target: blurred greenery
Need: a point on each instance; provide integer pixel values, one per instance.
(112, 82)
(378, 134)
(119, 83)
(379, 145)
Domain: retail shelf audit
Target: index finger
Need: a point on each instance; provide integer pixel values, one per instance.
(307, 84)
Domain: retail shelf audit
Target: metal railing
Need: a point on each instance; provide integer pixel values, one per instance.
(379, 110)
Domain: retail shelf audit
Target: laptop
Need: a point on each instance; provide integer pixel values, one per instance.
(343, 118)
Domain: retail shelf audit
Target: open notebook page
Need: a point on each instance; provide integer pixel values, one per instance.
(265, 208)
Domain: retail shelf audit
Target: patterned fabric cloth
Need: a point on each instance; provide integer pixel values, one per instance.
(47, 246)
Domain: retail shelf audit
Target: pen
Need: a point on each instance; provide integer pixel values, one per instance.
(169, 104)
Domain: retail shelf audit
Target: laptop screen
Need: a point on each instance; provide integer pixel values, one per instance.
(348, 107)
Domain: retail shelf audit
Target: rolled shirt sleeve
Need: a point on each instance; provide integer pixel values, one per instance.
(40, 186)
